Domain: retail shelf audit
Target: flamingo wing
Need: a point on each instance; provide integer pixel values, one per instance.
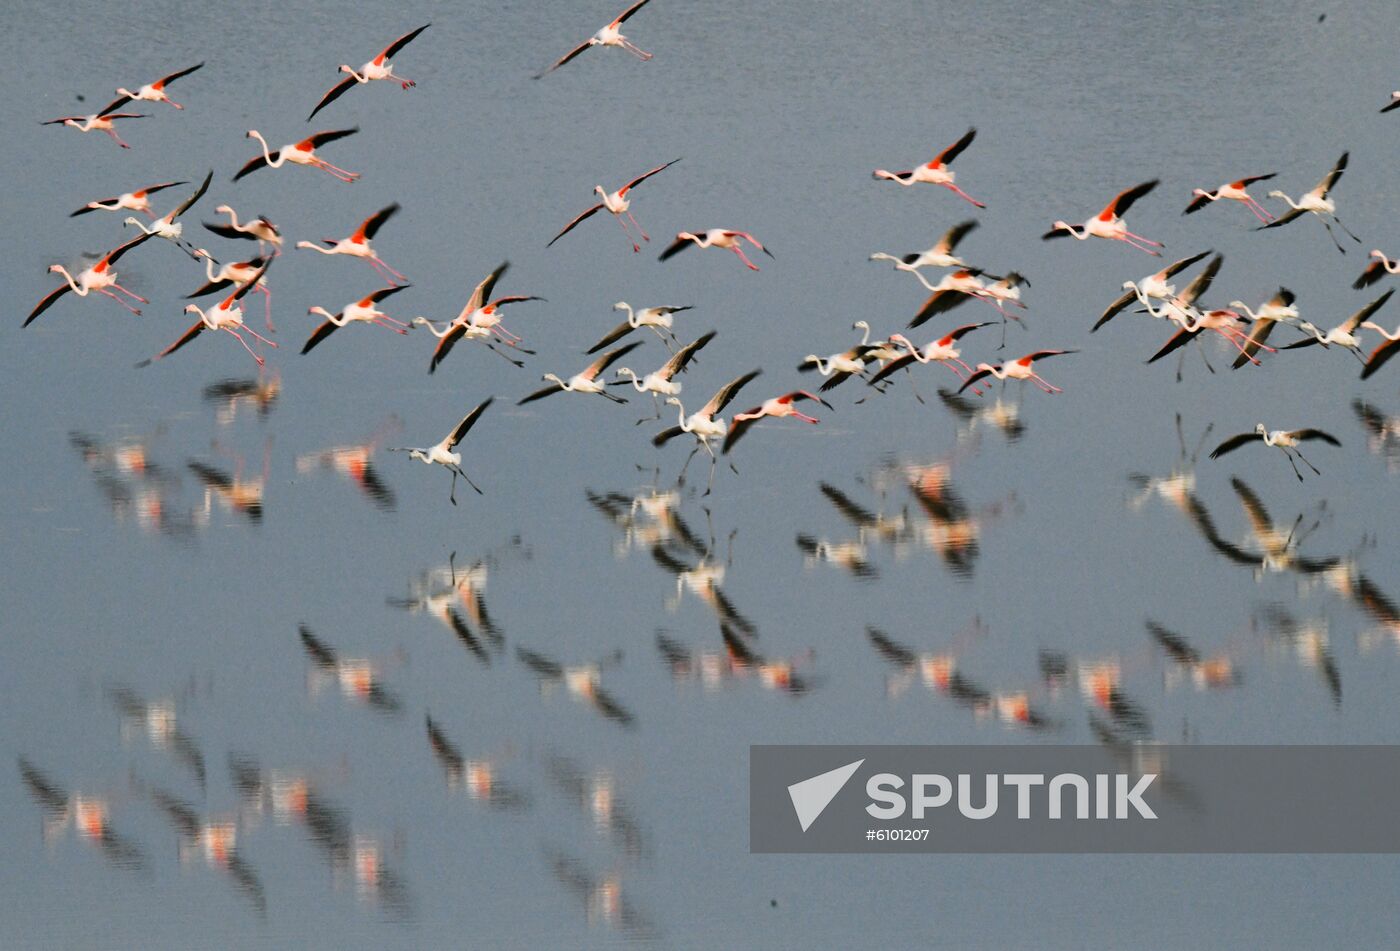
(1375, 361)
(335, 93)
(1125, 199)
(1371, 275)
(198, 194)
(644, 176)
(1329, 181)
(726, 393)
(939, 302)
(167, 80)
(445, 345)
(47, 302)
(482, 293)
(467, 423)
(1367, 312)
(1318, 434)
(608, 359)
(115, 104)
(1233, 443)
(1113, 310)
(666, 435)
(631, 10)
(373, 222)
(320, 333)
(950, 239)
(979, 375)
(566, 57)
(676, 247)
(738, 427)
(1200, 202)
(617, 333)
(402, 41)
(252, 166)
(1258, 334)
(113, 256)
(570, 226)
(1176, 267)
(318, 139)
(1202, 283)
(678, 362)
(541, 394)
(184, 339)
(954, 150)
(889, 369)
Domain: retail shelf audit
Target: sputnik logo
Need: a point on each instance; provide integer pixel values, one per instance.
(811, 796)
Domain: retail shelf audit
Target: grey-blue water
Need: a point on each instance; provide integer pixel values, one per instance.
(179, 767)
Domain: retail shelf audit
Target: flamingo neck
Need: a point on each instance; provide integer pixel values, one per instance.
(632, 320)
(1288, 200)
(681, 410)
(266, 156)
(209, 267)
(76, 287)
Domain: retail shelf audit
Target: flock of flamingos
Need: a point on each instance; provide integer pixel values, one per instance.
(876, 362)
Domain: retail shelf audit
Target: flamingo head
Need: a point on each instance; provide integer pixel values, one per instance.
(305, 244)
(901, 340)
(223, 210)
(1277, 194)
(201, 253)
(551, 378)
(625, 371)
(1129, 285)
(860, 325)
(123, 91)
(55, 268)
(686, 236)
(1199, 193)
(1378, 253)
(623, 305)
(1260, 428)
(811, 358)
(192, 308)
(344, 68)
(1060, 226)
(319, 310)
(130, 221)
(673, 401)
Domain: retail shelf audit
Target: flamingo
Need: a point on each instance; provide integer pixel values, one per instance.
(1016, 370)
(259, 229)
(1394, 102)
(838, 367)
(477, 320)
(617, 204)
(1378, 268)
(935, 172)
(951, 291)
(705, 424)
(940, 255)
(1316, 202)
(299, 153)
(166, 226)
(1382, 353)
(610, 35)
(777, 408)
(943, 350)
(1344, 334)
(238, 272)
(97, 278)
(663, 380)
(716, 238)
(100, 121)
(361, 310)
(443, 453)
(1224, 322)
(1006, 290)
(1277, 309)
(377, 68)
(1109, 224)
(358, 244)
(659, 319)
(586, 380)
(155, 92)
(1287, 440)
(139, 200)
(226, 315)
(1233, 191)
(1153, 285)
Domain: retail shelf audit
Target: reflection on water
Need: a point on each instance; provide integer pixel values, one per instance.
(354, 462)
(356, 677)
(582, 682)
(156, 721)
(232, 395)
(213, 841)
(90, 816)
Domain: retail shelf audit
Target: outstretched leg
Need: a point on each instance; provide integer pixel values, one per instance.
(457, 470)
(645, 236)
(1305, 462)
(635, 246)
(1346, 229)
(962, 194)
(116, 138)
(640, 54)
(245, 345)
(743, 257)
(114, 297)
(1289, 457)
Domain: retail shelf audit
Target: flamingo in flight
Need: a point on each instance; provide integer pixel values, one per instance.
(443, 453)
(586, 380)
(1016, 370)
(610, 35)
(1108, 224)
(299, 153)
(1344, 334)
(778, 407)
(99, 277)
(935, 172)
(1154, 285)
(940, 255)
(839, 367)
(1278, 309)
(1382, 353)
(377, 68)
(1394, 102)
(361, 310)
(227, 315)
(139, 200)
(259, 229)
(1318, 203)
(705, 424)
(618, 204)
(358, 245)
(1287, 440)
(663, 380)
(155, 92)
(1223, 321)
(100, 121)
(478, 320)
(659, 319)
(1378, 268)
(234, 273)
(167, 226)
(716, 238)
(943, 350)
(1233, 191)
(951, 291)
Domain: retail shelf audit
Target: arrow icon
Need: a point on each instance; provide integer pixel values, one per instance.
(811, 796)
